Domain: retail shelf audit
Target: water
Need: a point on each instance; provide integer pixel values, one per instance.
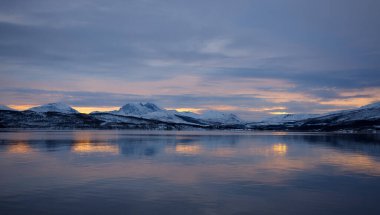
(141, 172)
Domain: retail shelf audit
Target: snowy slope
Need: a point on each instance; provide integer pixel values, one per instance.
(151, 111)
(367, 112)
(137, 109)
(219, 117)
(54, 107)
(375, 105)
(147, 111)
(285, 118)
(150, 116)
(4, 107)
(363, 118)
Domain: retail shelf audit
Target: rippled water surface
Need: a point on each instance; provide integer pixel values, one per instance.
(142, 172)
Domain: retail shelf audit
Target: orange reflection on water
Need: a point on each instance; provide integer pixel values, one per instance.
(91, 148)
(358, 163)
(188, 149)
(280, 148)
(19, 148)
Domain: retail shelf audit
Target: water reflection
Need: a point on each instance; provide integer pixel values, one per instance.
(19, 148)
(94, 148)
(201, 172)
(280, 148)
(353, 162)
(187, 149)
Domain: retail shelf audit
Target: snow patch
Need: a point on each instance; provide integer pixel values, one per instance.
(285, 118)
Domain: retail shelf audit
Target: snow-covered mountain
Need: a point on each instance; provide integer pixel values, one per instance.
(220, 117)
(137, 109)
(54, 107)
(150, 116)
(363, 118)
(367, 112)
(285, 118)
(375, 105)
(4, 107)
(146, 111)
(151, 111)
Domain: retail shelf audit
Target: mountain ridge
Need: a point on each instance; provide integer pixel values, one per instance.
(146, 115)
(53, 107)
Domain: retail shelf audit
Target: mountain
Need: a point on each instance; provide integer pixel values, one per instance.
(151, 111)
(137, 109)
(375, 105)
(4, 107)
(150, 116)
(220, 117)
(145, 111)
(286, 118)
(364, 118)
(46, 120)
(367, 112)
(60, 116)
(54, 107)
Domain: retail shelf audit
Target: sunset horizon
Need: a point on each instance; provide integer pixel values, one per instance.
(267, 112)
(304, 58)
(190, 107)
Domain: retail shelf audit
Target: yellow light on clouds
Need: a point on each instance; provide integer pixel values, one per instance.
(279, 113)
(21, 107)
(194, 110)
(92, 109)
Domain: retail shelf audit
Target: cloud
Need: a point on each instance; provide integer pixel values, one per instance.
(305, 56)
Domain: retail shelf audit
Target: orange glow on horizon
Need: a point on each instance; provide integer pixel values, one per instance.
(85, 109)
(21, 107)
(223, 108)
(355, 102)
(194, 110)
(92, 109)
(266, 109)
(250, 88)
(279, 113)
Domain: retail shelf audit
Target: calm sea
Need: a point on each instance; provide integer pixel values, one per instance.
(188, 172)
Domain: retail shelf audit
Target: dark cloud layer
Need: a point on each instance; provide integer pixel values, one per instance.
(81, 50)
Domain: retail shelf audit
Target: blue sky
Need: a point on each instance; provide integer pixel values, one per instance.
(253, 58)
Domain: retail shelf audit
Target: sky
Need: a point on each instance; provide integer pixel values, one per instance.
(252, 58)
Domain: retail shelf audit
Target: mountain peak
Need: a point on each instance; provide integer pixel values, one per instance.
(54, 107)
(138, 108)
